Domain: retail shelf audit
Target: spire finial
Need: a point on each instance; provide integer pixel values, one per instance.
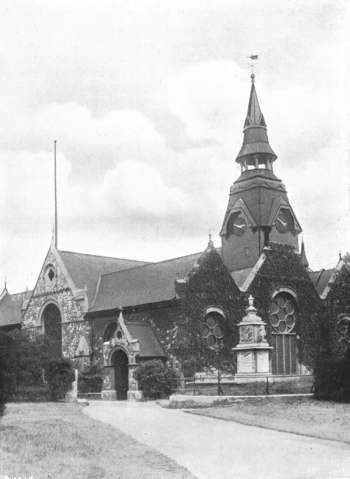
(210, 241)
(253, 58)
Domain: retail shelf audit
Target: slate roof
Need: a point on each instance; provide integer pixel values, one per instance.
(149, 344)
(11, 308)
(239, 276)
(321, 279)
(151, 283)
(85, 269)
(255, 139)
(262, 193)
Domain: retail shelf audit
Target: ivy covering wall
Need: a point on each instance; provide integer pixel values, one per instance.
(283, 270)
(208, 284)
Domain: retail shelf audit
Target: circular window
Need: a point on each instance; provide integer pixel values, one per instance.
(212, 330)
(343, 328)
(282, 314)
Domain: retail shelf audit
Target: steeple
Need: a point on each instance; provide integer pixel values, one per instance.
(258, 210)
(256, 151)
(303, 256)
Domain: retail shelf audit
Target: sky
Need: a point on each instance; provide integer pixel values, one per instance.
(147, 101)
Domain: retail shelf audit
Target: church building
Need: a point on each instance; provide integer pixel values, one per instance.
(119, 312)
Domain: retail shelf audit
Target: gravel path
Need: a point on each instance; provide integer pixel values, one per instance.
(212, 448)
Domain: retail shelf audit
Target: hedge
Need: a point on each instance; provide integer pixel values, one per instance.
(156, 380)
(90, 380)
(59, 376)
(332, 379)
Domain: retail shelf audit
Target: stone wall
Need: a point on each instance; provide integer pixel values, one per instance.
(163, 319)
(54, 287)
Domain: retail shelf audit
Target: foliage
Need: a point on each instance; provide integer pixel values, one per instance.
(208, 284)
(90, 379)
(26, 357)
(332, 365)
(32, 393)
(59, 375)
(338, 304)
(5, 376)
(155, 379)
(283, 269)
(332, 378)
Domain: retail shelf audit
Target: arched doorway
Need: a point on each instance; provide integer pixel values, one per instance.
(121, 374)
(51, 320)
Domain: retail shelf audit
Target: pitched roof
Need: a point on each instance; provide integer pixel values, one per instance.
(151, 283)
(85, 269)
(321, 279)
(11, 308)
(149, 344)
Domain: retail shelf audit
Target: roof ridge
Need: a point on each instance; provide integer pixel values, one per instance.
(151, 264)
(100, 256)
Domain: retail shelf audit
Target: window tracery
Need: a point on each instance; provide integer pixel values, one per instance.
(343, 328)
(212, 329)
(282, 314)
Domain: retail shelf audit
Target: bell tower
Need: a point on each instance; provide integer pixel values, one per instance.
(258, 209)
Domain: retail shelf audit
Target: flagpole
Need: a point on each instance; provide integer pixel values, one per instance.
(55, 190)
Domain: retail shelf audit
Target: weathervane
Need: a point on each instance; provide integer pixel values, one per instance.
(253, 59)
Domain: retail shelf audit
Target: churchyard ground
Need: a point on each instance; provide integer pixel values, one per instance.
(55, 440)
(300, 415)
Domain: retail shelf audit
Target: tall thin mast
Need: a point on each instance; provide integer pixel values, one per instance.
(55, 189)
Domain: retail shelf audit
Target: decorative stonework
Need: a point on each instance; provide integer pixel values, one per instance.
(53, 286)
(253, 350)
(121, 340)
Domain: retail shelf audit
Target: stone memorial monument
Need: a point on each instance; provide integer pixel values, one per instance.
(253, 350)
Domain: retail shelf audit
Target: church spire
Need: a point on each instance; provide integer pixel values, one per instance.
(256, 150)
(303, 257)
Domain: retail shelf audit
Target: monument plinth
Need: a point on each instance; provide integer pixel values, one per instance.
(253, 350)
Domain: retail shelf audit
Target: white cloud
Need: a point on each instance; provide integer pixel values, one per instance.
(102, 78)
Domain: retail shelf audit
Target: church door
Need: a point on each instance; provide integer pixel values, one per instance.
(282, 320)
(121, 374)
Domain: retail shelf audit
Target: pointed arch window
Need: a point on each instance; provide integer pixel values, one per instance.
(283, 313)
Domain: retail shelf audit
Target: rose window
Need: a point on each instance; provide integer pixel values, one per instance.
(343, 328)
(282, 314)
(212, 330)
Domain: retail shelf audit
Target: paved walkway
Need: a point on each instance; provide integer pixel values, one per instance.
(212, 448)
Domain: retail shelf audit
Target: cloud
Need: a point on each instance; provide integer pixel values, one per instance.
(147, 103)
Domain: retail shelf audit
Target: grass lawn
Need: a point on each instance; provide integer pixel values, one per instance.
(323, 419)
(55, 440)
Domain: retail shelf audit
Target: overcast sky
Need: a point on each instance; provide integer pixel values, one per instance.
(147, 100)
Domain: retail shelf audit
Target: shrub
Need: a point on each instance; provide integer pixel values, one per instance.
(59, 375)
(32, 393)
(6, 373)
(332, 379)
(156, 380)
(3, 387)
(90, 380)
